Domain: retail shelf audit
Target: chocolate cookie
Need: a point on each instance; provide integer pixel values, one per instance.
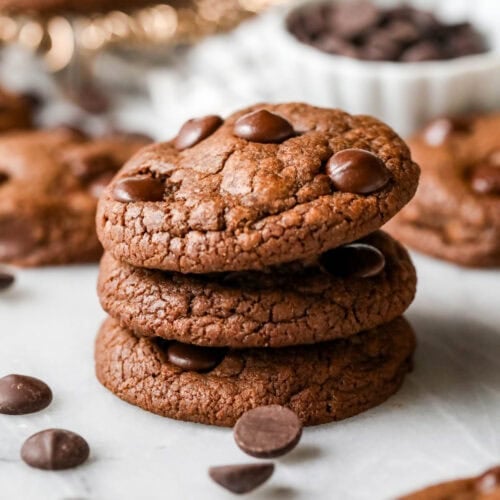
(15, 111)
(483, 487)
(320, 383)
(49, 183)
(455, 214)
(291, 304)
(271, 184)
(41, 7)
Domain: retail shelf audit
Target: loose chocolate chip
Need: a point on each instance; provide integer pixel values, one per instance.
(356, 260)
(440, 129)
(241, 478)
(55, 449)
(268, 431)
(357, 171)
(197, 129)
(263, 126)
(194, 358)
(352, 19)
(20, 394)
(131, 189)
(489, 481)
(6, 281)
(485, 179)
(423, 51)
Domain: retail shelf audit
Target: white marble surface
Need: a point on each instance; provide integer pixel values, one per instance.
(443, 423)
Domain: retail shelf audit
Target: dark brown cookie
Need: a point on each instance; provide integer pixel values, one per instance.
(455, 214)
(249, 196)
(320, 383)
(291, 304)
(15, 111)
(49, 183)
(483, 487)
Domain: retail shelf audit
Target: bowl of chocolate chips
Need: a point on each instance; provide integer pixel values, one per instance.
(396, 60)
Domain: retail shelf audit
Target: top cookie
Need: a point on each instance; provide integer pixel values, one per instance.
(269, 185)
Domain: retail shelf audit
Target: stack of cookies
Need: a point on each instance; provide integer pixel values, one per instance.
(244, 267)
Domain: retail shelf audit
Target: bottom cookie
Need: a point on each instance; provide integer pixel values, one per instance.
(483, 487)
(320, 383)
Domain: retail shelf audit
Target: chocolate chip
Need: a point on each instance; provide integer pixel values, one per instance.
(55, 449)
(90, 98)
(3, 178)
(441, 129)
(87, 167)
(131, 189)
(423, 51)
(268, 431)
(357, 171)
(197, 129)
(356, 260)
(194, 358)
(485, 179)
(20, 394)
(354, 18)
(263, 126)
(241, 478)
(489, 481)
(6, 281)
(381, 46)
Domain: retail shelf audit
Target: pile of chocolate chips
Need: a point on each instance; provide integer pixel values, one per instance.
(361, 30)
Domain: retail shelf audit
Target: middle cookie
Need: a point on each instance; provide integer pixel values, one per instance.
(347, 290)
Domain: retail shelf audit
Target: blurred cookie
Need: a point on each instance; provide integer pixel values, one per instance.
(269, 185)
(299, 303)
(45, 7)
(320, 383)
(49, 184)
(455, 214)
(16, 111)
(483, 487)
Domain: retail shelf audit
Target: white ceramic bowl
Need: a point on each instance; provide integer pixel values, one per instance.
(404, 95)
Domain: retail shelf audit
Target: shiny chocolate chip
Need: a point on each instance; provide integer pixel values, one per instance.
(485, 179)
(55, 449)
(489, 481)
(6, 281)
(194, 358)
(20, 394)
(439, 130)
(268, 431)
(263, 126)
(356, 260)
(242, 478)
(130, 189)
(197, 129)
(357, 171)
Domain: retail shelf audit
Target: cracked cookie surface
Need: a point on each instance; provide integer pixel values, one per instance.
(49, 183)
(455, 214)
(320, 383)
(233, 204)
(292, 304)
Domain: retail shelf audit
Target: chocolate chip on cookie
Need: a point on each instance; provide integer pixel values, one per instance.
(194, 358)
(142, 188)
(263, 126)
(197, 129)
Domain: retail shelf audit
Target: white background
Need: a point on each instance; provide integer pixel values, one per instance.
(443, 423)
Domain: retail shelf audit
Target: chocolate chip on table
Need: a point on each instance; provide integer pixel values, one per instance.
(55, 449)
(197, 129)
(20, 394)
(263, 126)
(130, 189)
(194, 358)
(268, 431)
(241, 478)
(6, 281)
(356, 260)
(489, 481)
(485, 179)
(357, 171)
